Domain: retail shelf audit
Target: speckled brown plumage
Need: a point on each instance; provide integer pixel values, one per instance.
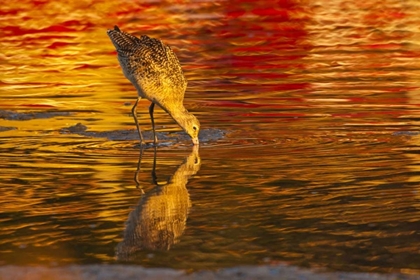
(154, 69)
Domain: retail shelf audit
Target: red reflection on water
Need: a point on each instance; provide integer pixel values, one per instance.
(264, 44)
(66, 26)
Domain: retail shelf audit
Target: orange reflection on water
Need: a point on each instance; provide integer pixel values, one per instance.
(312, 97)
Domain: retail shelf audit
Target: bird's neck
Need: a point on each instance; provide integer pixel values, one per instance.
(178, 112)
(180, 115)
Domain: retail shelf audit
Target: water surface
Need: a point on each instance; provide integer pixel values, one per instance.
(315, 110)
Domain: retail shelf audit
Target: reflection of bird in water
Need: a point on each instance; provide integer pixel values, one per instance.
(155, 71)
(159, 218)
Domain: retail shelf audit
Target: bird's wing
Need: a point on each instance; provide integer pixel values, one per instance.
(160, 64)
(122, 40)
(148, 63)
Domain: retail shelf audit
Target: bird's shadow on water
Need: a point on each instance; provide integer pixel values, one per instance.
(159, 218)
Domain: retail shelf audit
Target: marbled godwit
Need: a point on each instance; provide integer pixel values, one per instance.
(154, 70)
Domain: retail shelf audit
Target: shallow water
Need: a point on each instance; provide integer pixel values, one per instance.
(308, 155)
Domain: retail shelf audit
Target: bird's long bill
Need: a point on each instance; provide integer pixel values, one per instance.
(195, 141)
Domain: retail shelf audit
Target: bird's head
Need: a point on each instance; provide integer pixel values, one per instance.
(191, 126)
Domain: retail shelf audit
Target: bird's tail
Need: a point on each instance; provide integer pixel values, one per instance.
(121, 40)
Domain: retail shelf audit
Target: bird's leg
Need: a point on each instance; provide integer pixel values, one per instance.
(133, 111)
(152, 106)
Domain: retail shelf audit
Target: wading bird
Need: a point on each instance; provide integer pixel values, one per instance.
(154, 70)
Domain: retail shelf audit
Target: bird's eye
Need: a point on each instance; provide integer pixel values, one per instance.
(194, 127)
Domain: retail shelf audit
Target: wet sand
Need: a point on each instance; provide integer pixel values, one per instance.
(123, 272)
(165, 138)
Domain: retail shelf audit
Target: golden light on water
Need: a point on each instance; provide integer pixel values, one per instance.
(309, 112)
